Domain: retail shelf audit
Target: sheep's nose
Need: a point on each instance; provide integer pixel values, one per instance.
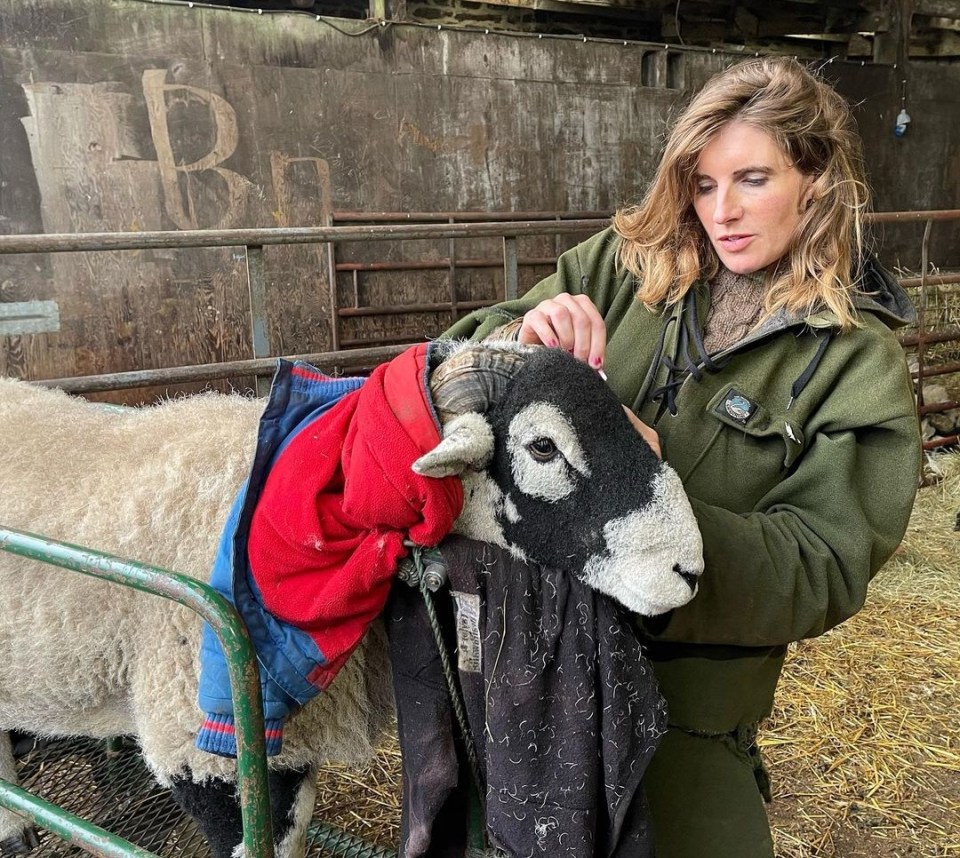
(690, 577)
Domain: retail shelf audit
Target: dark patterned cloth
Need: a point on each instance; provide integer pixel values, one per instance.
(562, 704)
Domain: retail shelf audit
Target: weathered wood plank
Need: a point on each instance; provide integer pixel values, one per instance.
(122, 29)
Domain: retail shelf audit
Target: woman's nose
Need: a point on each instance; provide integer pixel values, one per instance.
(727, 206)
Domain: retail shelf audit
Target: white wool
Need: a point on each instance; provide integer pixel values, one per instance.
(551, 480)
(154, 485)
(483, 502)
(294, 842)
(510, 510)
(643, 547)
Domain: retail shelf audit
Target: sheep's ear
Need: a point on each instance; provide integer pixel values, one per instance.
(467, 444)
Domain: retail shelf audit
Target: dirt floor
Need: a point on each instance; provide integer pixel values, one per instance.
(864, 834)
(863, 748)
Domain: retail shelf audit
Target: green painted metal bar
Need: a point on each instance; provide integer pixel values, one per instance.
(233, 637)
(72, 828)
(343, 844)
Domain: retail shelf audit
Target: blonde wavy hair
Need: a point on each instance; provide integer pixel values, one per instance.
(664, 244)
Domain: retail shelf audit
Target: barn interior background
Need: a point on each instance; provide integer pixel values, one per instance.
(134, 116)
(138, 116)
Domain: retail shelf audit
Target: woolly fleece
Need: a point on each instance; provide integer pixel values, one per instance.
(154, 485)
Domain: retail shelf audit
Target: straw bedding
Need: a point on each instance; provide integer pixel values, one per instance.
(865, 741)
(864, 745)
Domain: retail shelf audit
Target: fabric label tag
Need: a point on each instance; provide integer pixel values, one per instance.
(467, 614)
(736, 406)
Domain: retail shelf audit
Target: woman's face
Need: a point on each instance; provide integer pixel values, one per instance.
(748, 197)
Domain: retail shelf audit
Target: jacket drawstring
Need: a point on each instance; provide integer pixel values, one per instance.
(655, 362)
(693, 359)
(691, 365)
(797, 387)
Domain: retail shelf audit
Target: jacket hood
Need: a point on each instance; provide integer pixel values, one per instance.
(879, 293)
(340, 499)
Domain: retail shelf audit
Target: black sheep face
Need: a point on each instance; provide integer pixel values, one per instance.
(568, 483)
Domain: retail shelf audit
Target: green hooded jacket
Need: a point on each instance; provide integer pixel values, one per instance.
(799, 448)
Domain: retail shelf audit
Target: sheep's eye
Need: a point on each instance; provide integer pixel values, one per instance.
(542, 449)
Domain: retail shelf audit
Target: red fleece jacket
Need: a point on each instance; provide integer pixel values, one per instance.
(328, 529)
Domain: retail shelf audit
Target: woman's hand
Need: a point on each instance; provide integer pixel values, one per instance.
(646, 432)
(570, 322)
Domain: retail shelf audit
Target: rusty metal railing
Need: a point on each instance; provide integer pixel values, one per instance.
(924, 338)
(406, 226)
(254, 240)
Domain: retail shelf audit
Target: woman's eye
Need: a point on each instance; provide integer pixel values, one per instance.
(756, 181)
(703, 189)
(542, 449)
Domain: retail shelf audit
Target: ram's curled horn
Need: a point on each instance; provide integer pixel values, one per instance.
(473, 377)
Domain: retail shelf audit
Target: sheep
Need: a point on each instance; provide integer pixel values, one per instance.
(552, 471)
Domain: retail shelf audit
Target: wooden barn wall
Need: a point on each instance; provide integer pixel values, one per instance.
(920, 170)
(124, 115)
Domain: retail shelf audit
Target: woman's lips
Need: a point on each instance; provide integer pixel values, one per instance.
(733, 243)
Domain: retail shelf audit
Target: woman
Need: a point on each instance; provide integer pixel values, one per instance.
(739, 320)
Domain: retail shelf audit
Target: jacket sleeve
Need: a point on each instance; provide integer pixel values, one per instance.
(800, 561)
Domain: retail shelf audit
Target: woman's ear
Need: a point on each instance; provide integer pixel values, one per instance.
(806, 200)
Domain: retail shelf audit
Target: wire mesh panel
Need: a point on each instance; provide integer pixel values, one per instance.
(107, 783)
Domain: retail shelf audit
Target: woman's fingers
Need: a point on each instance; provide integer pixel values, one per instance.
(570, 322)
(547, 325)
